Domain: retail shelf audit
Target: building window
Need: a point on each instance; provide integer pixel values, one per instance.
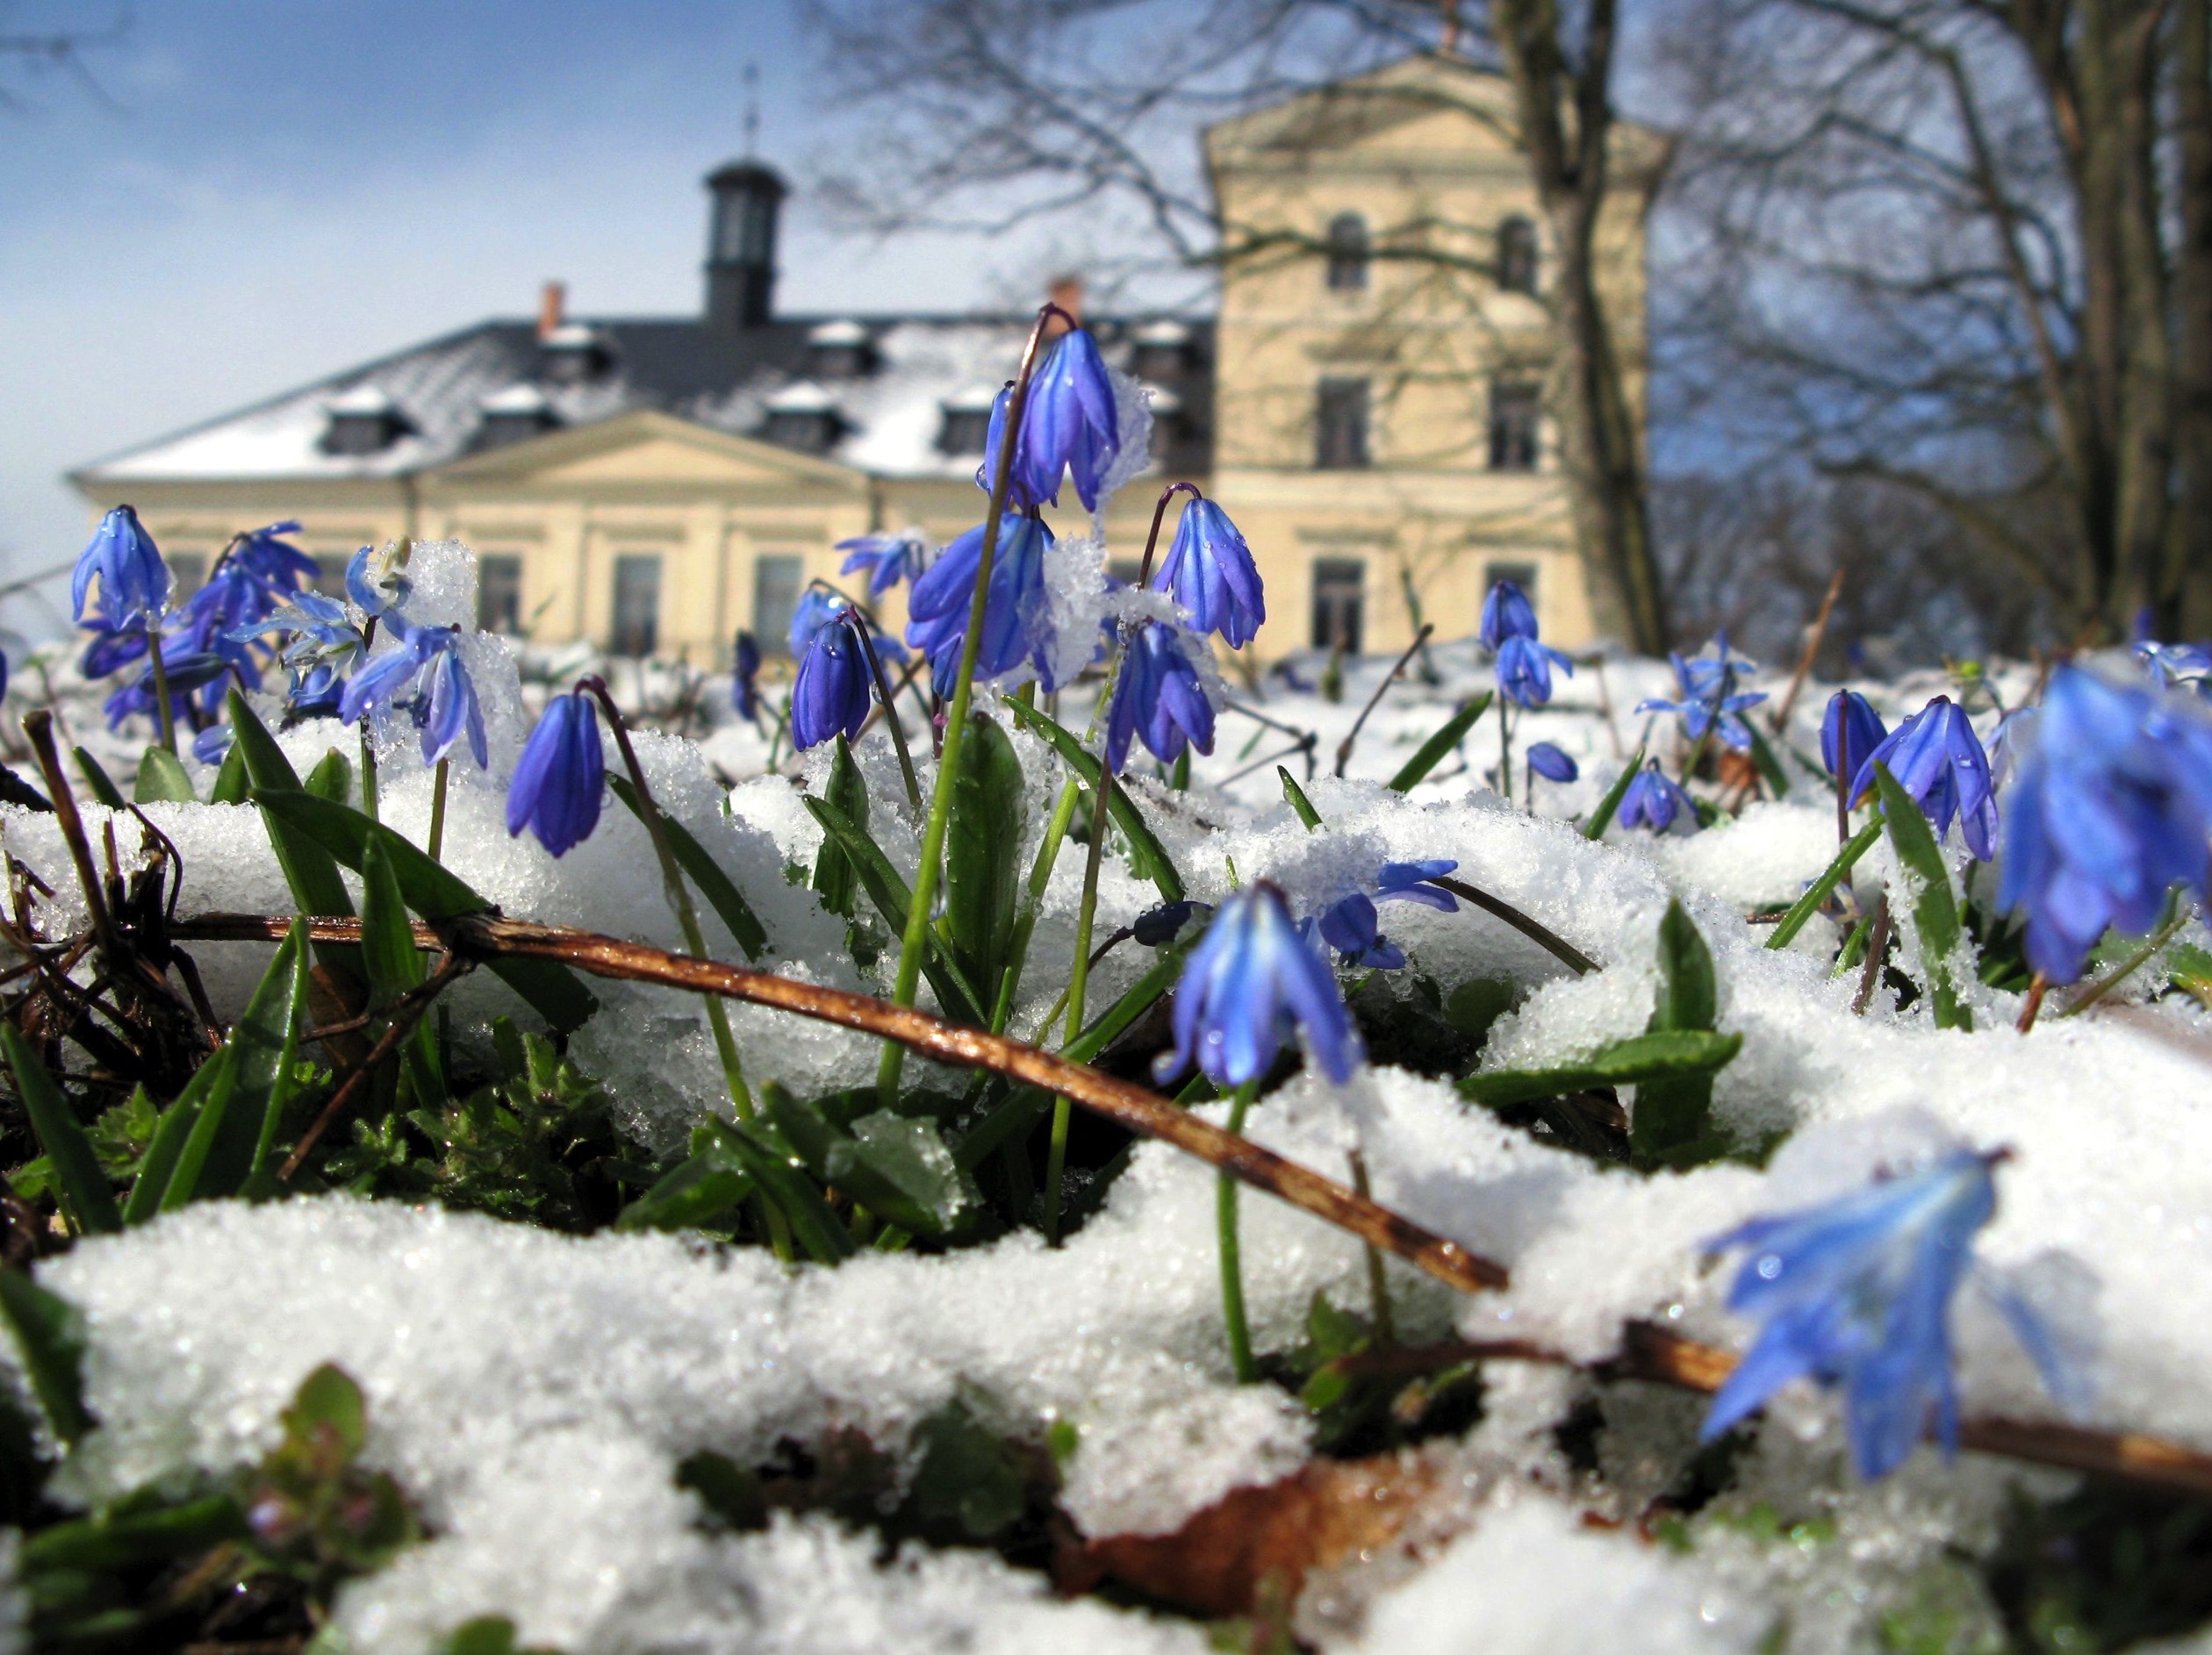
(330, 575)
(1517, 255)
(967, 423)
(637, 604)
(1340, 425)
(809, 430)
(500, 592)
(191, 571)
(1338, 603)
(776, 577)
(1516, 413)
(1522, 575)
(1348, 253)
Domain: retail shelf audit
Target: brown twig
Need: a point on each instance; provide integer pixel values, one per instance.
(1535, 932)
(1343, 748)
(1780, 716)
(1877, 949)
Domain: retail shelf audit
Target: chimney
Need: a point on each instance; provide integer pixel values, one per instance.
(741, 245)
(1067, 291)
(552, 300)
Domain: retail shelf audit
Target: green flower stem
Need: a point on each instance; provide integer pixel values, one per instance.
(1504, 746)
(1807, 905)
(863, 628)
(164, 719)
(438, 810)
(1232, 1303)
(368, 773)
(916, 941)
(2128, 967)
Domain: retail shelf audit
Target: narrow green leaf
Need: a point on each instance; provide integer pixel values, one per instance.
(158, 1167)
(85, 1196)
(1674, 1114)
(395, 966)
(232, 784)
(332, 777)
(813, 1225)
(101, 785)
(432, 891)
(1601, 818)
(1808, 905)
(310, 873)
(1134, 1002)
(1147, 857)
(1013, 1117)
(847, 790)
(49, 1332)
(1431, 752)
(705, 873)
(225, 1140)
(889, 891)
(1301, 806)
(267, 1085)
(162, 779)
(982, 856)
(1769, 766)
(898, 1168)
(1632, 1062)
(704, 1186)
(1688, 997)
(1934, 911)
(114, 1540)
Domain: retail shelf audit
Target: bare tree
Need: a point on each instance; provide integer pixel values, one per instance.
(27, 55)
(992, 113)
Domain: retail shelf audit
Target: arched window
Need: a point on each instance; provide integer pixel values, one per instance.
(1348, 253)
(1517, 255)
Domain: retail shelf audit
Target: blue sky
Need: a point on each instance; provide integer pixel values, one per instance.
(263, 191)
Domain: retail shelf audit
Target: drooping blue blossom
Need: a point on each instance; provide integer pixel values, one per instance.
(1351, 926)
(425, 678)
(1856, 1294)
(275, 562)
(1706, 696)
(1938, 760)
(829, 695)
(559, 778)
(1157, 927)
(212, 743)
(744, 677)
(215, 618)
(1524, 670)
(817, 608)
(114, 648)
(2112, 809)
(323, 646)
(122, 560)
(1158, 696)
(1553, 763)
(1069, 425)
(1850, 729)
(1209, 571)
(1506, 613)
(2178, 663)
(376, 583)
(186, 672)
(1655, 803)
(1253, 981)
(888, 559)
(1017, 617)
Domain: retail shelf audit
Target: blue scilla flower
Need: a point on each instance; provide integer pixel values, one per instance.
(1016, 621)
(1856, 1294)
(273, 560)
(314, 693)
(1938, 760)
(744, 676)
(212, 743)
(1158, 696)
(1251, 983)
(2178, 663)
(1506, 613)
(375, 583)
(560, 776)
(122, 560)
(829, 695)
(1553, 763)
(322, 645)
(888, 559)
(426, 677)
(2112, 809)
(1850, 730)
(1351, 926)
(1706, 696)
(1656, 803)
(187, 672)
(1524, 670)
(1157, 927)
(1209, 572)
(1069, 426)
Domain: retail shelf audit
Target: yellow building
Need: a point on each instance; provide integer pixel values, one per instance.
(1366, 405)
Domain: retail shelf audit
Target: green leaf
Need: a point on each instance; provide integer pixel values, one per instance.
(101, 785)
(1633, 1061)
(309, 869)
(1674, 1112)
(148, 1533)
(1132, 1004)
(432, 891)
(1431, 752)
(332, 777)
(1601, 818)
(395, 966)
(1301, 806)
(705, 1186)
(328, 1402)
(706, 874)
(1934, 911)
(49, 1332)
(982, 856)
(267, 1086)
(235, 1122)
(1769, 766)
(1147, 857)
(966, 1475)
(888, 891)
(230, 783)
(162, 779)
(813, 1225)
(899, 1169)
(1807, 905)
(159, 1167)
(85, 1196)
(847, 790)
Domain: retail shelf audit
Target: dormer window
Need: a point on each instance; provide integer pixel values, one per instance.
(968, 421)
(1347, 243)
(363, 421)
(1162, 352)
(513, 415)
(803, 416)
(1169, 424)
(573, 354)
(840, 350)
(1517, 255)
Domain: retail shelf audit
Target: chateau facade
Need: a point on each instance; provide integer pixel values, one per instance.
(1368, 404)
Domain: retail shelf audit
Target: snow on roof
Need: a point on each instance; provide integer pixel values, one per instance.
(892, 415)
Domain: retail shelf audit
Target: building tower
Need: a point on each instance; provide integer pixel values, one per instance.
(741, 245)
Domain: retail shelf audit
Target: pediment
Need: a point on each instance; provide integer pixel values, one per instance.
(648, 448)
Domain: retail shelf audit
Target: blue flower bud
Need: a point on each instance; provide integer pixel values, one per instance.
(1253, 982)
(1551, 763)
(830, 696)
(560, 776)
(1850, 730)
(1209, 571)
